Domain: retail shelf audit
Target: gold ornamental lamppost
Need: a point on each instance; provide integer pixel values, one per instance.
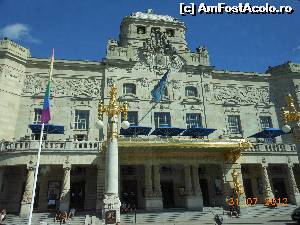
(291, 116)
(238, 188)
(111, 201)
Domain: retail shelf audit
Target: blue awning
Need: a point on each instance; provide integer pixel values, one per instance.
(167, 131)
(198, 132)
(268, 133)
(135, 130)
(49, 128)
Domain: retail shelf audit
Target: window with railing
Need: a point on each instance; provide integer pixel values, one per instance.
(193, 120)
(81, 119)
(129, 88)
(132, 118)
(37, 116)
(234, 124)
(266, 122)
(162, 119)
(191, 91)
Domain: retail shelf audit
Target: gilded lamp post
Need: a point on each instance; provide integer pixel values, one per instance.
(111, 201)
(291, 116)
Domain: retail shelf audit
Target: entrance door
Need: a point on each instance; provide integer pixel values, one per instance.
(205, 193)
(248, 188)
(36, 197)
(279, 188)
(77, 195)
(167, 191)
(129, 192)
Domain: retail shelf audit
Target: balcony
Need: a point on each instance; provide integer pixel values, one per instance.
(272, 147)
(62, 146)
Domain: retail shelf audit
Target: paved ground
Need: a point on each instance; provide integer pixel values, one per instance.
(275, 220)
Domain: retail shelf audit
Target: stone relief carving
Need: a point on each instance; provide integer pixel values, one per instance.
(90, 87)
(11, 72)
(144, 82)
(241, 95)
(158, 54)
(175, 84)
(110, 81)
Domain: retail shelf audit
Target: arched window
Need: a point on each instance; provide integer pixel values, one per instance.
(191, 91)
(129, 88)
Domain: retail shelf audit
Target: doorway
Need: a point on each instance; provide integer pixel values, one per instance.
(167, 190)
(279, 188)
(129, 193)
(205, 193)
(77, 196)
(248, 188)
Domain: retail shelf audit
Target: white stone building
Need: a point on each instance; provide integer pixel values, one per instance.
(155, 172)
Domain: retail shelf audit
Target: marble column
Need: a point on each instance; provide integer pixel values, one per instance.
(196, 184)
(27, 195)
(268, 193)
(295, 195)
(152, 201)
(148, 181)
(156, 181)
(65, 194)
(100, 186)
(153, 196)
(193, 195)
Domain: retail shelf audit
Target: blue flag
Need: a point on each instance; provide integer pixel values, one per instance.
(158, 90)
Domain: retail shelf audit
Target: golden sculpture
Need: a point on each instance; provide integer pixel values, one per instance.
(237, 185)
(113, 109)
(291, 115)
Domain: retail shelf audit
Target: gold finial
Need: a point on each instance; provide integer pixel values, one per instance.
(292, 115)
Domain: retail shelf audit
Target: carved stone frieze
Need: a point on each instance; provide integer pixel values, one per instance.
(89, 87)
(11, 72)
(144, 82)
(240, 95)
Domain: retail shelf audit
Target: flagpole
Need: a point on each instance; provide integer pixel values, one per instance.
(36, 174)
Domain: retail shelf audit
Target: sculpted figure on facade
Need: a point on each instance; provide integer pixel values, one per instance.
(158, 53)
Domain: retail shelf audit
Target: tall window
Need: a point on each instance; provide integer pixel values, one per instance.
(193, 120)
(191, 91)
(37, 116)
(234, 124)
(81, 119)
(162, 119)
(265, 122)
(129, 88)
(132, 118)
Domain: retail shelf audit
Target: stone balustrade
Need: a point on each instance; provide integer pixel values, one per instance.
(51, 146)
(273, 147)
(97, 145)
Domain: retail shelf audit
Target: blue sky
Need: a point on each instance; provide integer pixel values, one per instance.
(80, 30)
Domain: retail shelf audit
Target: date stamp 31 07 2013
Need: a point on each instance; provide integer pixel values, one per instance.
(254, 201)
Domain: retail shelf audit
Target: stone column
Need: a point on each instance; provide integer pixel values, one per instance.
(153, 196)
(148, 181)
(27, 195)
(65, 194)
(293, 185)
(100, 185)
(156, 181)
(227, 182)
(193, 196)
(268, 193)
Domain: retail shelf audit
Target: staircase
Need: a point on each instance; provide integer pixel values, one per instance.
(42, 219)
(171, 216)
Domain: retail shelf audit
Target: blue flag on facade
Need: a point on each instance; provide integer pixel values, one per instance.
(158, 90)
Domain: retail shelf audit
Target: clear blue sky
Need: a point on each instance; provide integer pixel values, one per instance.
(80, 30)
